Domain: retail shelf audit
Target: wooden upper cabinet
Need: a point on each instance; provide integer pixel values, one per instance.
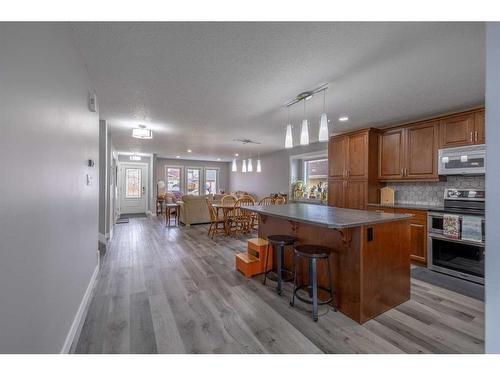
(457, 131)
(391, 154)
(356, 163)
(337, 157)
(421, 147)
(479, 120)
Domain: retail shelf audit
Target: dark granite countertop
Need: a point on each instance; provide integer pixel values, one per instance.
(409, 206)
(330, 217)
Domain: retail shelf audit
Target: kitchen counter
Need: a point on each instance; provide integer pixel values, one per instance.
(409, 206)
(370, 259)
(325, 216)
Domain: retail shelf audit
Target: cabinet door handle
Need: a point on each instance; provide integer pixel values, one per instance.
(471, 137)
(475, 136)
(402, 172)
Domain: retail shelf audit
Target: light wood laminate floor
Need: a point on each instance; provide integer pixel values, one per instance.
(174, 290)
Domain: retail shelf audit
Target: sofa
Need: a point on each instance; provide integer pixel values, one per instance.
(194, 209)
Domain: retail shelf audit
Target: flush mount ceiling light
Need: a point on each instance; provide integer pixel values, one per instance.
(178, 156)
(142, 133)
(189, 150)
(343, 118)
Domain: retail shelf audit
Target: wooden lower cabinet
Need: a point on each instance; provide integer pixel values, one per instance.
(418, 231)
(356, 193)
(336, 193)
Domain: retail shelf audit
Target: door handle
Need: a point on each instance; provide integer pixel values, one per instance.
(143, 190)
(475, 136)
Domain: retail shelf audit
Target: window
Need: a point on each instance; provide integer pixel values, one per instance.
(174, 179)
(133, 182)
(211, 180)
(193, 181)
(315, 177)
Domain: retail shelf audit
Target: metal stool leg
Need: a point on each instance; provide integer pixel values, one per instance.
(310, 278)
(295, 258)
(330, 282)
(314, 289)
(265, 269)
(279, 257)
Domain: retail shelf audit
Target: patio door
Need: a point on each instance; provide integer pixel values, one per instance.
(133, 185)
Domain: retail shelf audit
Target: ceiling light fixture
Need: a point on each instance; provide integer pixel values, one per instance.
(244, 166)
(236, 155)
(259, 167)
(288, 134)
(249, 166)
(304, 132)
(142, 133)
(218, 159)
(343, 118)
(234, 167)
(178, 156)
(189, 150)
(323, 122)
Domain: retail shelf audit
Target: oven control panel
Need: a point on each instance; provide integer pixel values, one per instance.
(464, 194)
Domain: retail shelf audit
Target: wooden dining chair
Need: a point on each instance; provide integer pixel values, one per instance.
(267, 201)
(243, 219)
(215, 221)
(228, 200)
(279, 200)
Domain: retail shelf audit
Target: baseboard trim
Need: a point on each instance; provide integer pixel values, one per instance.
(103, 238)
(81, 312)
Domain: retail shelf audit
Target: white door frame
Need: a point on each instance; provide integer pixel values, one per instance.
(119, 183)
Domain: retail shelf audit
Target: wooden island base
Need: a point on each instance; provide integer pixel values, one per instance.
(370, 263)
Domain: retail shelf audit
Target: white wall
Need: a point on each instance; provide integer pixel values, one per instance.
(48, 215)
(492, 185)
(275, 175)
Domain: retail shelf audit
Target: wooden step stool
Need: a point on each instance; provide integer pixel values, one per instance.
(253, 261)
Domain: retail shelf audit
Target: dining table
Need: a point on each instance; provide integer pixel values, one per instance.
(226, 210)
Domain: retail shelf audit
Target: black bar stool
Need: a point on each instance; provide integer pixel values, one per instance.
(313, 254)
(279, 242)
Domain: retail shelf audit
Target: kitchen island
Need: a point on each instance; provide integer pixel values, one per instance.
(370, 258)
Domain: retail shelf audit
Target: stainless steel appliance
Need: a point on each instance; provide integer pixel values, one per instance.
(466, 160)
(458, 257)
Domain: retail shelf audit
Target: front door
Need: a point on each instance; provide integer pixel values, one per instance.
(133, 181)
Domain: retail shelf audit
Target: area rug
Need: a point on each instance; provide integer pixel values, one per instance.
(454, 284)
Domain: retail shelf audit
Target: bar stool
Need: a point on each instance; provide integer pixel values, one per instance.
(313, 254)
(279, 242)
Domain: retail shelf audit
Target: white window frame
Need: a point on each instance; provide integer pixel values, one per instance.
(201, 180)
(181, 178)
(217, 176)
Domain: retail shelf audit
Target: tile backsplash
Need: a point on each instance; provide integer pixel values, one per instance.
(432, 193)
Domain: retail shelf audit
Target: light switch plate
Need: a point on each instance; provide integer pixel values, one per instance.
(89, 180)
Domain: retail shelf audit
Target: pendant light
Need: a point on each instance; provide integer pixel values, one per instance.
(259, 167)
(244, 166)
(234, 167)
(304, 133)
(288, 134)
(249, 165)
(323, 122)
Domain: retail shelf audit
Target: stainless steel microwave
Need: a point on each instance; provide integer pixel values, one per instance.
(466, 160)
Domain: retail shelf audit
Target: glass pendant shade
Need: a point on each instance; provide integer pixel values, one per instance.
(323, 128)
(259, 167)
(249, 166)
(234, 167)
(244, 166)
(304, 133)
(288, 136)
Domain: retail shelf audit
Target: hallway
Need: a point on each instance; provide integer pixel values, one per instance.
(174, 290)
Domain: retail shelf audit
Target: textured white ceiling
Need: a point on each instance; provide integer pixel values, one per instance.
(199, 85)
